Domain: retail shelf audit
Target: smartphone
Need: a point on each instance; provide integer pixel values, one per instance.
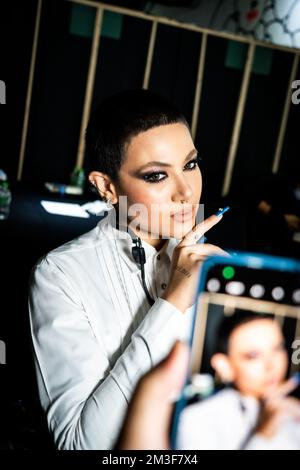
(247, 312)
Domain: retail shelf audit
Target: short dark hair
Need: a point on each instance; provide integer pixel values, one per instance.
(119, 118)
(229, 324)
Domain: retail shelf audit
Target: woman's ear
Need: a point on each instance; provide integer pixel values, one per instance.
(104, 186)
(221, 364)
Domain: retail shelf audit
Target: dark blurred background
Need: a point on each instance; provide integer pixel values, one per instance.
(261, 201)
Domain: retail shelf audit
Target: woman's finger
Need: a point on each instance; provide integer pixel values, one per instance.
(206, 249)
(199, 230)
(284, 389)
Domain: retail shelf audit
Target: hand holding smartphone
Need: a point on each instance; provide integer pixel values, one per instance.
(245, 343)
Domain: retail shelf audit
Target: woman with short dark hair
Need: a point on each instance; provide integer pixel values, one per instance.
(107, 306)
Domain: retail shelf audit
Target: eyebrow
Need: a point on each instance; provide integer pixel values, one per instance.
(157, 163)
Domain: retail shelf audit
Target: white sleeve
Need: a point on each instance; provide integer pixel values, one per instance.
(283, 440)
(84, 398)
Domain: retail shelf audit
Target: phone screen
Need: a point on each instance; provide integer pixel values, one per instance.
(245, 345)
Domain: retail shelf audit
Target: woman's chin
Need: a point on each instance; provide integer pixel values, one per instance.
(176, 230)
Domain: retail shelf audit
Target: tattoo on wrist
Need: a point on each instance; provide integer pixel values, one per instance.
(183, 271)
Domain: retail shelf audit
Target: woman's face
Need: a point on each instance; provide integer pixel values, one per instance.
(257, 357)
(159, 172)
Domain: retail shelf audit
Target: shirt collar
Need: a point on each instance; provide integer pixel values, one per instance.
(107, 225)
(249, 407)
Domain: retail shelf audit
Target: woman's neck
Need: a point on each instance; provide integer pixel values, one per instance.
(157, 243)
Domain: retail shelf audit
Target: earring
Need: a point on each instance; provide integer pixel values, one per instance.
(109, 203)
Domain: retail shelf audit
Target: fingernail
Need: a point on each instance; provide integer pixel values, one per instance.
(296, 377)
(222, 211)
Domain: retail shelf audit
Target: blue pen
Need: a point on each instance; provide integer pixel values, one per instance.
(220, 212)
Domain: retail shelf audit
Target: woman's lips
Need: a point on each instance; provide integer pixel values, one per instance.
(273, 382)
(183, 216)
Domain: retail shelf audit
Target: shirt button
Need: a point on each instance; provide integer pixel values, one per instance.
(158, 257)
(163, 286)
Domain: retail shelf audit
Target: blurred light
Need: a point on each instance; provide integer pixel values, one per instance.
(235, 288)
(257, 291)
(228, 272)
(296, 296)
(213, 285)
(278, 293)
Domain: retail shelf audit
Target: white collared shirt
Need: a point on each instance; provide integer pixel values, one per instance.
(94, 333)
(226, 421)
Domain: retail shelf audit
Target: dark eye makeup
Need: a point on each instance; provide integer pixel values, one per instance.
(158, 176)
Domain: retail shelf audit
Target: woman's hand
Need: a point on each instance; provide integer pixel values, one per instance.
(148, 419)
(276, 408)
(187, 258)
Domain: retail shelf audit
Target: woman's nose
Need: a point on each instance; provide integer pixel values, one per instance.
(183, 191)
(269, 364)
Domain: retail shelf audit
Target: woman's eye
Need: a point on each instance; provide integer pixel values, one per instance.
(192, 165)
(157, 177)
(252, 355)
(154, 177)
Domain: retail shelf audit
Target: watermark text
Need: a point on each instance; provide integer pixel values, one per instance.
(296, 93)
(2, 352)
(2, 92)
